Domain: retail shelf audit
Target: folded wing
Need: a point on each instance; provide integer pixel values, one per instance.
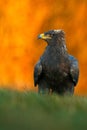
(37, 72)
(74, 69)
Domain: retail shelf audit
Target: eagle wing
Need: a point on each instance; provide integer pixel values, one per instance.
(37, 72)
(74, 69)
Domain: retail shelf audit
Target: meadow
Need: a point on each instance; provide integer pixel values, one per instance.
(31, 111)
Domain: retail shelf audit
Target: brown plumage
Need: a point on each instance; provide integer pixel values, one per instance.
(56, 69)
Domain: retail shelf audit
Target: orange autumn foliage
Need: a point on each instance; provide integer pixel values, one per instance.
(20, 23)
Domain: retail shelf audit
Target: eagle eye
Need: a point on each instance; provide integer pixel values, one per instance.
(52, 35)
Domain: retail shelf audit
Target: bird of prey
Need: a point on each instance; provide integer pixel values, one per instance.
(56, 71)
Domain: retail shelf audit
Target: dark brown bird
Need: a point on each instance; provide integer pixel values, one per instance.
(56, 70)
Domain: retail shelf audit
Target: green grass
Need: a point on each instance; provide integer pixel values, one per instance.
(30, 111)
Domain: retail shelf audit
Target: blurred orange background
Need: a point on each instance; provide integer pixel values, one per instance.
(20, 23)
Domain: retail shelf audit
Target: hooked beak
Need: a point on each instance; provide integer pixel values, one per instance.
(44, 37)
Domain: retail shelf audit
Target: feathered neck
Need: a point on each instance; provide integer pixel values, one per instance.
(59, 46)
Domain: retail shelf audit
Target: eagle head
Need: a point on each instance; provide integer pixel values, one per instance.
(52, 36)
